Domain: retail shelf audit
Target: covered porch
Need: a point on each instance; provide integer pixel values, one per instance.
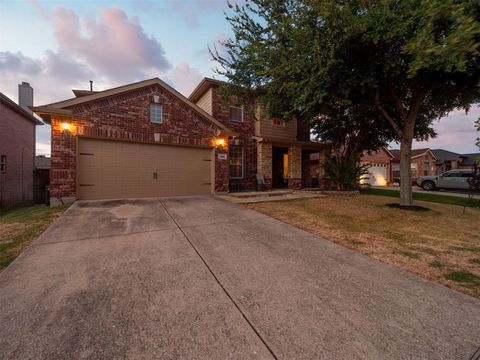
(288, 164)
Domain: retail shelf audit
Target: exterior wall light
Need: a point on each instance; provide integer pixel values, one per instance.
(219, 142)
(66, 126)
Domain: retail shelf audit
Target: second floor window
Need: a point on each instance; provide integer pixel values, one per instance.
(156, 113)
(236, 113)
(278, 121)
(3, 163)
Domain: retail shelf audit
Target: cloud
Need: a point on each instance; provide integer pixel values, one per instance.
(40, 9)
(115, 47)
(456, 133)
(52, 75)
(184, 78)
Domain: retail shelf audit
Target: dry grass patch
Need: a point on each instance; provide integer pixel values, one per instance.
(442, 245)
(19, 227)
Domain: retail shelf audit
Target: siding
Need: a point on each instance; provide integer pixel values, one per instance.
(205, 102)
(17, 142)
(266, 128)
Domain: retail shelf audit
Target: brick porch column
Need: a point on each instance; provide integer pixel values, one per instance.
(264, 162)
(294, 167)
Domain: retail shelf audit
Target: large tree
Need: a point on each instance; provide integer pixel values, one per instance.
(414, 61)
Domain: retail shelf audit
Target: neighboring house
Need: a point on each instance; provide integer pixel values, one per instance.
(276, 149)
(446, 160)
(379, 167)
(17, 148)
(423, 164)
(41, 178)
(468, 160)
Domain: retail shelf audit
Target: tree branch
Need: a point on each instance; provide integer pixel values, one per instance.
(387, 116)
(397, 102)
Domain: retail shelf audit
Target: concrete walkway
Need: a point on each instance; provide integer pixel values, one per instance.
(201, 278)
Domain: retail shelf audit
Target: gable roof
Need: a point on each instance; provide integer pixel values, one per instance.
(415, 153)
(63, 107)
(469, 159)
(202, 87)
(445, 155)
(18, 109)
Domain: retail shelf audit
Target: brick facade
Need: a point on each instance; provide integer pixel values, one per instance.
(125, 116)
(245, 131)
(17, 144)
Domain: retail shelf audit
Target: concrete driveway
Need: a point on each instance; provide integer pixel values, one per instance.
(201, 278)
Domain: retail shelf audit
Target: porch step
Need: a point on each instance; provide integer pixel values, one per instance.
(253, 194)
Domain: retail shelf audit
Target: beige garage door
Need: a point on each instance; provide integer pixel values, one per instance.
(114, 169)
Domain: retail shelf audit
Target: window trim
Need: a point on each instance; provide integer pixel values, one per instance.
(242, 164)
(3, 164)
(150, 113)
(241, 112)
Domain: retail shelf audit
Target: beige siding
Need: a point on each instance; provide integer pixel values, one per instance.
(265, 128)
(205, 102)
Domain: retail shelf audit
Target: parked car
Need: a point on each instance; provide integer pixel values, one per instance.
(452, 179)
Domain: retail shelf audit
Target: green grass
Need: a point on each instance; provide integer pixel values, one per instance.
(28, 223)
(463, 276)
(430, 197)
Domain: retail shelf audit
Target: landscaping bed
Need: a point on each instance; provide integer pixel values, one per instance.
(442, 245)
(20, 226)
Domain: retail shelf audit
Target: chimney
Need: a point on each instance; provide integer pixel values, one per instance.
(25, 96)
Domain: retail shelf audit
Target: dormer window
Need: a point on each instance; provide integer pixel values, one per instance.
(156, 113)
(236, 113)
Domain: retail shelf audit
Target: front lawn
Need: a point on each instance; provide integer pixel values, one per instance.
(430, 197)
(442, 245)
(20, 226)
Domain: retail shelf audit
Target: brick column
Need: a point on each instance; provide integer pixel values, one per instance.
(294, 167)
(221, 170)
(264, 162)
(63, 165)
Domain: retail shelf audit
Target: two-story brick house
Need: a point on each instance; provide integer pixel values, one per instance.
(276, 149)
(146, 139)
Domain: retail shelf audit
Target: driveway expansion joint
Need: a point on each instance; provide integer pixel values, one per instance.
(257, 333)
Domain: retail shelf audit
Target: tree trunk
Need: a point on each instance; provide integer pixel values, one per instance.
(406, 197)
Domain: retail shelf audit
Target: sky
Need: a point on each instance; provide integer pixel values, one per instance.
(58, 46)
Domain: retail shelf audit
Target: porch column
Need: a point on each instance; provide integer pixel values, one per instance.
(295, 167)
(264, 162)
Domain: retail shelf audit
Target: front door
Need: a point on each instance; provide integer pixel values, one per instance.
(279, 167)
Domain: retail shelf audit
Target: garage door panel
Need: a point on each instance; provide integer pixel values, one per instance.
(124, 170)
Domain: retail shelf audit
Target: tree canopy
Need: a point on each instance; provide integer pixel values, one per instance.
(413, 61)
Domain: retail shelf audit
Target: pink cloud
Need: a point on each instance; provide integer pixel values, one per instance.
(184, 78)
(456, 132)
(115, 46)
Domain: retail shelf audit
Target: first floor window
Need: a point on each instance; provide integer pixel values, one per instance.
(235, 155)
(414, 168)
(396, 171)
(3, 163)
(156, 113)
